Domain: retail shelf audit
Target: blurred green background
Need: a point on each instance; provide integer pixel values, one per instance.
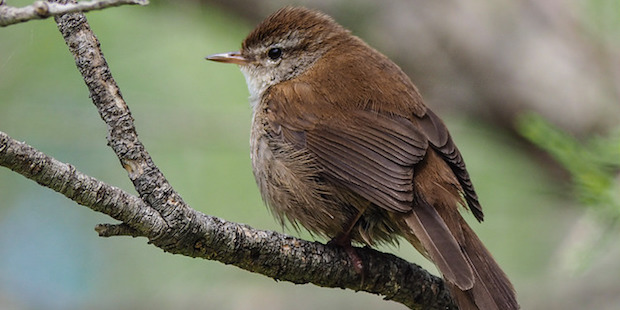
(193, 118)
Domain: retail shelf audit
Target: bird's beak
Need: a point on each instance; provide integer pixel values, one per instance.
(231, 58)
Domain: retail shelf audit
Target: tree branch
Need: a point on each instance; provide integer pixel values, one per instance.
(269, 253)
(40, 10)
(122, 136)
(85, 190)
(161, 215)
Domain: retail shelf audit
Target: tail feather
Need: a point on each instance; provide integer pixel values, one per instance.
(475, 280)
(439, 243)
(465, 299)
(435, 227)
(490, 279)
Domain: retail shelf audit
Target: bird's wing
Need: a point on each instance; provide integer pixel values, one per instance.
(369, 152)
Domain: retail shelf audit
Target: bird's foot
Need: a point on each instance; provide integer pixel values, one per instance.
(344, 242)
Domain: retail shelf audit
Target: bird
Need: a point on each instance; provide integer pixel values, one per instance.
(343, 145)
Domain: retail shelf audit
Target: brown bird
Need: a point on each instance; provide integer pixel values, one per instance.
(343, 145)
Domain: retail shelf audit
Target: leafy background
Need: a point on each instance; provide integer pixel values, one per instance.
(194, 119)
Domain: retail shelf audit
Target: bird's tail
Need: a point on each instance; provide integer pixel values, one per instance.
(475, 280)
(492, 289)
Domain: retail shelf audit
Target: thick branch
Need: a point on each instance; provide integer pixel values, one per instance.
(39, 10)
(269, 253)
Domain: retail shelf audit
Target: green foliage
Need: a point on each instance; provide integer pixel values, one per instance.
(594, 167)
(593, 164)
(603, 18)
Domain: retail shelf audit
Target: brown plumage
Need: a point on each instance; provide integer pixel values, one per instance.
(343, 145)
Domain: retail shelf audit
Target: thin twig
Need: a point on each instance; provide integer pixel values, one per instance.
(75, 185)
(40, 9)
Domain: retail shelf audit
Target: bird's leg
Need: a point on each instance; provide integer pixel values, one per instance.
(343, 240)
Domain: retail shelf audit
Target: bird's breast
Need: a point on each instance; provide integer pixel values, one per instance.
(290, 183)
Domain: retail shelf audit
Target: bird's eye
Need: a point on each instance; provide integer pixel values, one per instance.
(274, 53)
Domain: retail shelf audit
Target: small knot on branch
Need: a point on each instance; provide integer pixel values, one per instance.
(41, 8)
(111, 230)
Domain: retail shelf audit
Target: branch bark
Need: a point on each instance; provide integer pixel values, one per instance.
(161, 215)
(83, 189)
(40, 10)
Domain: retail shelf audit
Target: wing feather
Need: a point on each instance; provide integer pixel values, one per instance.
(370, 152)
(440, 140)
